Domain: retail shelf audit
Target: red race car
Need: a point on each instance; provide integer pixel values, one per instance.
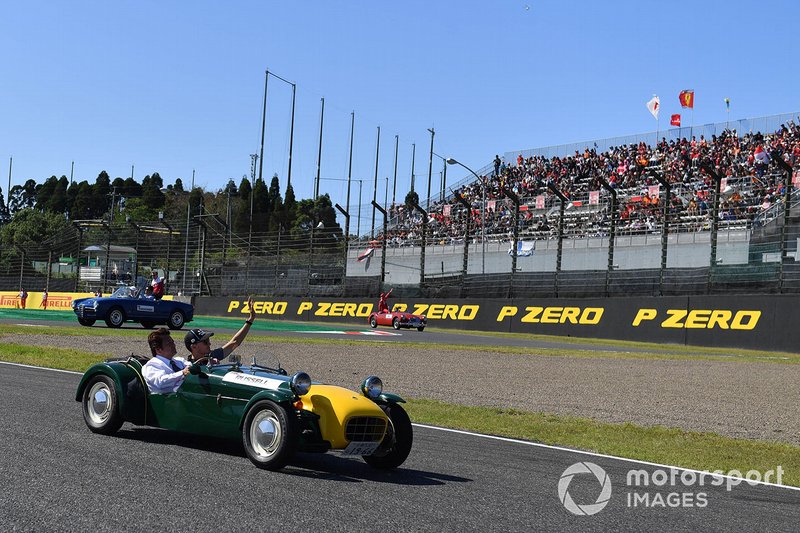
(398, 319)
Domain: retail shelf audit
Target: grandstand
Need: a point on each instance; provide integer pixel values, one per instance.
(713, 203)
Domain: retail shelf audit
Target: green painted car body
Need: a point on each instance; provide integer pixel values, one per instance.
(254, 403)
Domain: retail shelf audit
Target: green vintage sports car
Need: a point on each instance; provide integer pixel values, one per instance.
(273, 414)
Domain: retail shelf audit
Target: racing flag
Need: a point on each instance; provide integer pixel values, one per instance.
(675, 120)
(686, 98)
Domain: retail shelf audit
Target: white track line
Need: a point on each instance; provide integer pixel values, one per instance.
(526, 443)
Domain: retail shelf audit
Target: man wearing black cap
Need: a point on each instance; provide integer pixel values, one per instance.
(198, 341)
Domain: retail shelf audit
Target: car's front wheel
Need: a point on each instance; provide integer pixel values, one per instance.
(396, 323)
(100, 406)
(115, 318)
(176, 319)
(420, 328)
(86, 321)
(373, 322)
(396, 444)
(269, 435)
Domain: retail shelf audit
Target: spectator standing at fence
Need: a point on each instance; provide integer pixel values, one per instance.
(158, 285)
(44, 299)
(497, 165)
(23, 297)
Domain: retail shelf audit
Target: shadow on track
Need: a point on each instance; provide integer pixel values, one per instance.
(327, 466)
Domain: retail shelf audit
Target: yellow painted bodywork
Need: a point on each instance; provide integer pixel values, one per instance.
(335, 406)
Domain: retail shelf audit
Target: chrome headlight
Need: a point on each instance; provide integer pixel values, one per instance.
(372, 387)
(300, 383)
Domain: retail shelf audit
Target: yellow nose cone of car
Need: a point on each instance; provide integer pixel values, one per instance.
(344, 414)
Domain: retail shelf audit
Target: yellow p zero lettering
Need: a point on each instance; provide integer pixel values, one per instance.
(364, 310)
(533, 312)
(233, 305)
(697, 319)
(349, 310)
(468, 312)
(675, 317)
(642, 315)
(400, 308)
(551, 314)
(506, 311)
(571, 314)
(303, 307)
(337, 309)
(322, 309)
(419, 309)
(258, 307)
(591, 315)
(450, 311)
(745, 319)
(721, 317)
(279, 308)
(436, 310)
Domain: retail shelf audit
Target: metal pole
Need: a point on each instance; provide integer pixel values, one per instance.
(394, 185)
(714, 225)
(514, 198)
(413, 157)
(263, 128)
(188, 225)
(291, 139)
(664, 232)
(49, 261)
(559, 253)
(347, 223)
(78, 261)
(358, 233)
(376, 205)
(787, 208)
(8, 191)
(71, 172)
(254, 158)
(349, 179)
(444, 181)
(483, 225)
(422, 250)
(430, 170)
(468, 207)
(375, 185)
(319, 153)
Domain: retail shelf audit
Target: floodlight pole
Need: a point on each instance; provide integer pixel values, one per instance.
(560, 251)
(612, 233)
(664, 230)
(514, 198)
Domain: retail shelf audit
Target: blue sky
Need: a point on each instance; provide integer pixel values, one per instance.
(177, 86)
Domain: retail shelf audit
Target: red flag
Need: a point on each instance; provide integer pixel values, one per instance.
(675, 120)
(686, 98)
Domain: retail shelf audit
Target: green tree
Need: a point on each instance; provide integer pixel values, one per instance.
(101, 199)
(30, 227)
(241, 214)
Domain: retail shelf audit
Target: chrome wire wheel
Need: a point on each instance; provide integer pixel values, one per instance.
(265, 433)
(100, 403)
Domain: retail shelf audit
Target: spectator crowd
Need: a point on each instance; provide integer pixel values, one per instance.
(751, 184)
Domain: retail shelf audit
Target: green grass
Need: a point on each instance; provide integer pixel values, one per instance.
(671, 446)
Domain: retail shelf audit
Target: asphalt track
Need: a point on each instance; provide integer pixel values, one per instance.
(57, 476)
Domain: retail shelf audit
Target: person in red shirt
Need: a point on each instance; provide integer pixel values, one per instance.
(23, 297)
(44, 299)
(382, 307)
(158, 286)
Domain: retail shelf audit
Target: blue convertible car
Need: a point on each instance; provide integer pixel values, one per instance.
(130, 304)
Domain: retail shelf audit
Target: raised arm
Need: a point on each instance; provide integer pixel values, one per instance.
(238, 338)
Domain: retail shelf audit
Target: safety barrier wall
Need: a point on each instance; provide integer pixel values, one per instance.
(741, 321)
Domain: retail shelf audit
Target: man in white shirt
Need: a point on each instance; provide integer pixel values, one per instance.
(164, 373)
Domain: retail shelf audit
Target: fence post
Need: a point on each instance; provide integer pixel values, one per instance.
(468, 207)
(714, 224)
(664, 230)
(561, 210)
(78, 260)
(49, 262)
(787, 208)
(514, 198)
(424, 242)
(376, 205)
(344, 265)
(612, 234)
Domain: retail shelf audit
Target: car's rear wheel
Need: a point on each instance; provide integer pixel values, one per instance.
(146, 324)
(373, 322)
(396, 323)
(176, 319)
(115, 317)
(86, 321)
(100, 406)
(396, 444)
(420, 328)
(269, 435)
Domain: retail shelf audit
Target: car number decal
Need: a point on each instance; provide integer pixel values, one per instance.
(360, 448)
(389, 315)
(253, 381)
(146, 308)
